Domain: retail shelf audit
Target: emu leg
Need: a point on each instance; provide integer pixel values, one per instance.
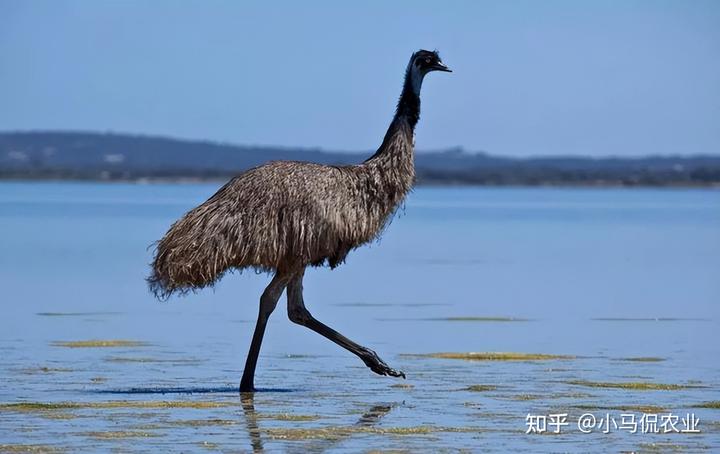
(268, 301)
(300, 315)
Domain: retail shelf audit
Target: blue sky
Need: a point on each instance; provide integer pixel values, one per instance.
(531, 77)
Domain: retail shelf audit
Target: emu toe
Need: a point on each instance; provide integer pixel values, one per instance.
(395, 373)
(377, 365)
(384, 369)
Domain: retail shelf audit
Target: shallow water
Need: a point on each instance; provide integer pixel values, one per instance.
(622, 284)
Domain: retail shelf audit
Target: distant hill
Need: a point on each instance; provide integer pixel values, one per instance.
(96, 156)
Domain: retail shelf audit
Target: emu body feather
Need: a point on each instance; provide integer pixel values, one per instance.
(286, 215)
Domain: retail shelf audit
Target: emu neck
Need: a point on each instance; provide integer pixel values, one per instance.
(409, 103)
(398, 141)
(393, 166)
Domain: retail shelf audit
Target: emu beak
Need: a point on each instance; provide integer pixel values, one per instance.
(440, 66)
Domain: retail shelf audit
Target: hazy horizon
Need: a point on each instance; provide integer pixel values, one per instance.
(554, 78)
(353, 152)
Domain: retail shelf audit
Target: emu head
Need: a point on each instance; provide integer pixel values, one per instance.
(421, 63)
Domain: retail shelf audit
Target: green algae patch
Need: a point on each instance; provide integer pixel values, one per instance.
(118, 359)
(635, 408)
(339, 432)
(28, 449)
(652, 409)
(288, 417)
(162, 404)
(402, 386)
(644, 359)
(39, 406)
(100, 343)
(640, 386)
(59, 415)
(493, 356)
(419, 430)
(572, 395)
(712, 404)
(528, 396)
(414, 430)
(21, 407)
(323, 433)
(208, 445)
(524, 397)
(480, 388)
(662, 447)
(120, 434)
(128, 359)
(199, 423)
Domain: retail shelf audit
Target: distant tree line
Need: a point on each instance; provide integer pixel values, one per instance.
(95, 156)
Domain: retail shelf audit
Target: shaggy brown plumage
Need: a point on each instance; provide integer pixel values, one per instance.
(287, 215)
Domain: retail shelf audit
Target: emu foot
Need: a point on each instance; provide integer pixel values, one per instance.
(377, 365)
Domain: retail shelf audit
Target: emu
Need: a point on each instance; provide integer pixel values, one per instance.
(284, 216)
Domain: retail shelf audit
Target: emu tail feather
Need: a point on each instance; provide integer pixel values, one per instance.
(179, 269)
(195, 253)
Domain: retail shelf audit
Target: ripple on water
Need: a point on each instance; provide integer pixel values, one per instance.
(491, 356)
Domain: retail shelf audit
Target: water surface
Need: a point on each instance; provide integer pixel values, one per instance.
(623, 284)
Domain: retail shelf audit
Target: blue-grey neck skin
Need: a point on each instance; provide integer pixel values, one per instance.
(409, 103)
(398, 140)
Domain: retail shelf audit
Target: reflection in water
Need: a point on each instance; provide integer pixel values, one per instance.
(247, 400)
(372, 416)
(368, 419)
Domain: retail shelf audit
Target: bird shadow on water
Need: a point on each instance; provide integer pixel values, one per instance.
(188, 390)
